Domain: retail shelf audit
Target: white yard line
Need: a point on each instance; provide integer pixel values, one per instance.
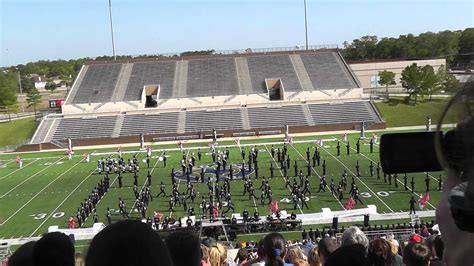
(51, 214)
(340, 203)
(281, 172)
(3, 177)
(35, 174)
(360, 180)
(111, 184)
(418, 195)
(39, 192)
(146, 180)
(179, 181)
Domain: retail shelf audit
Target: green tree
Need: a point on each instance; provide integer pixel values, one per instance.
(451, 84)
(8, 88)
(33, 98)
(362, 48)
(51, 86)
(387, 78)
(411, 81)
(429, 81)
(27, 85)
(466, 41)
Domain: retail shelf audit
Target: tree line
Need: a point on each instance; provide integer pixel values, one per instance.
(456, 46)
(421, 81)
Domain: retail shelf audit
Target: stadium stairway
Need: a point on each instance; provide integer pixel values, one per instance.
(181, 122)
(245, 118)
(243, 75)
(77, 84)
(307, 115)
(118, 126)
(42, 131)
(121, 85)
(301, 72)
(180, 80)
(52, 130)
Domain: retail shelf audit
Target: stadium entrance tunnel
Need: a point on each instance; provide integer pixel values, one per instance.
(210, 173)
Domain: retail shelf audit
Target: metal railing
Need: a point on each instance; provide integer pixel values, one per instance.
(251, 50)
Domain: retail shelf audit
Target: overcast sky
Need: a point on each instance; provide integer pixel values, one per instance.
(32, 30)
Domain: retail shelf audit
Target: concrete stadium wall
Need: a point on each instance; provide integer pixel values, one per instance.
(364, 70)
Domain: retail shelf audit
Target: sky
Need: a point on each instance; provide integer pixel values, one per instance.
(32, 30)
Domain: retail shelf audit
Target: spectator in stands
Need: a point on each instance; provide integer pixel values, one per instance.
(241, 257)
(313, 257)
(380, 253)
(353, 235)
(217, 255)
(294, 253)
(259, 260)
(394, 246)
(274, 249)
(326, 246)
(439, 246)
(23, 256)
(434, 259)
(126, 243)
(79, 259)
(301, 262)
(416, 254)
(184, 242)
(54, 249)
(205, 256)
(353, 250)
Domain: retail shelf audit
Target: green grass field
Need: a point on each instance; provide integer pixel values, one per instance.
(49, 188)
(17, 131)
(398, 112)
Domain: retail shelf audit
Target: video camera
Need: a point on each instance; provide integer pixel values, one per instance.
(450, 150)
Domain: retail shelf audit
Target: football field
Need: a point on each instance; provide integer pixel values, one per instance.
(49, 188)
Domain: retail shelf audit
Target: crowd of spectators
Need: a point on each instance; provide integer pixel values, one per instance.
(131, 243)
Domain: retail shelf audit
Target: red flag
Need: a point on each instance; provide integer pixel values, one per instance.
(350, 203)
(274, 207)
(424, 200)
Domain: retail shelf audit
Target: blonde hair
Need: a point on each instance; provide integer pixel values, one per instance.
(313, 257)
(393, 246)
(79, 260)
(218, 255)
(300, 262)
(204, 252)
(293, 254)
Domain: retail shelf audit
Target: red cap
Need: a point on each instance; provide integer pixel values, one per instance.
(416, 238)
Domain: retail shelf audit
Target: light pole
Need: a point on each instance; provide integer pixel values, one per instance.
(21, 91)
(305, 25)
(112, 28)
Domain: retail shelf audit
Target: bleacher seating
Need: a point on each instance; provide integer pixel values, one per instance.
(207, 120)
(98, 84)
(275, 66)
(149, 124)
(348, 112)
(327, 71)
(212, 77)
(270, 117)
(83, 128)
(151, 73)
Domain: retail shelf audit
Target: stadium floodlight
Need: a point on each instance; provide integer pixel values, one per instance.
(305, 25)
(112, 28)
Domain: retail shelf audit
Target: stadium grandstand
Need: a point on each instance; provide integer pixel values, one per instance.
(241, 94)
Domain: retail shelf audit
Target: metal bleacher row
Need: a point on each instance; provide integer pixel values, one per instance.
(216, 76)
(224, 119)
